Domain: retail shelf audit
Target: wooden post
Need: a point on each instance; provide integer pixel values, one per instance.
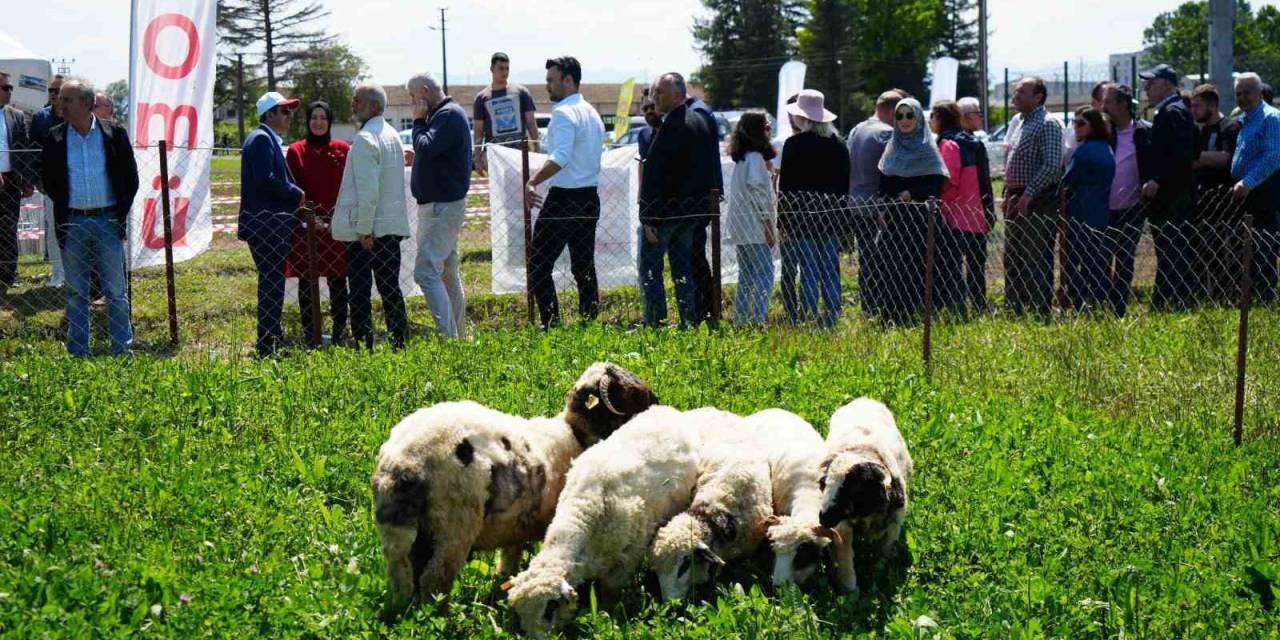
(717, 288)
(930, 246)
(1242, 339)
(313, 278)
(528, 231)
(170, 286)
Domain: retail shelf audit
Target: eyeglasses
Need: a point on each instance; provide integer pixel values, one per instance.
(53, 91)
(1081, 123)
(904, 115)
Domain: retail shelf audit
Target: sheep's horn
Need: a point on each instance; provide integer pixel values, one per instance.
(603, 388)
(506, 586)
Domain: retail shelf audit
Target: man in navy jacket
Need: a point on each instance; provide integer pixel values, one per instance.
(269, 199)
(1168, 193)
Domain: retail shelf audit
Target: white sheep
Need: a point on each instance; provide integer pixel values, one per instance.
(864, 482)
(458, 476)
(732, 506)
(794, 450)
(617, 494)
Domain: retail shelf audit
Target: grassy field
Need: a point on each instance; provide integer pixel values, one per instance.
(1075, 477)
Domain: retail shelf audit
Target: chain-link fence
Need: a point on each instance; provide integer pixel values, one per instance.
(503, 257)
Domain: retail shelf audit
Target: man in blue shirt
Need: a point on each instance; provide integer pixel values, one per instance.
(89, 172)
(1255, 166)
(269, 200)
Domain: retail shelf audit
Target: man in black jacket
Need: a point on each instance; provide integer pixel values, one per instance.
(89, 173)
(1167, 191)
(16, 179)
(682, 168)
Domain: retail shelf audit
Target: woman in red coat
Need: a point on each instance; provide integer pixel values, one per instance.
(316, 163)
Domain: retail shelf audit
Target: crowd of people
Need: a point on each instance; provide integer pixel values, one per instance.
(324, 208)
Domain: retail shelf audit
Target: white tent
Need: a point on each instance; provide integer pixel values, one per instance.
(27, 71)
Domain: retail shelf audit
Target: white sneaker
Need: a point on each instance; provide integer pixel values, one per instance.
(56, 280)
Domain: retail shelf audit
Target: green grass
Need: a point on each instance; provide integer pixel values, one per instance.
(234, 493)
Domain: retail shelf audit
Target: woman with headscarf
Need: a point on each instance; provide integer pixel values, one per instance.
(812, 188)
(316, 163)
(911, 172)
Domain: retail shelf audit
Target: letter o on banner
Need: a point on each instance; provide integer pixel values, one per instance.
(153, 60)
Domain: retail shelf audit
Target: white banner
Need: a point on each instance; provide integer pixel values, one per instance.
(171, 75)
(617, 233)
(790, 82)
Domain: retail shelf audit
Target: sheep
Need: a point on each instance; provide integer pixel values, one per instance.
(732, 506)
(458, 476)
(864, 482)
(794, 450)
(617, 494)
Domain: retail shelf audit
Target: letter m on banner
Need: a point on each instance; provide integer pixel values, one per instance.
(171, 76)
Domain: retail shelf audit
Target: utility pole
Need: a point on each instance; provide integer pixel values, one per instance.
(444, 56)
(240, 95)
(983, 79)
(1221, 50)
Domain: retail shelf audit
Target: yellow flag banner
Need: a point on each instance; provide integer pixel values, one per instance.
(622, 116)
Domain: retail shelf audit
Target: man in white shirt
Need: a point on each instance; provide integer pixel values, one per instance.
(568, 216)
(15, 180)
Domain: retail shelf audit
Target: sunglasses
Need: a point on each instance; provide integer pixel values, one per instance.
(285, 111)
(904, 115)
(53, 91)
(6, 87)
(1081, 123)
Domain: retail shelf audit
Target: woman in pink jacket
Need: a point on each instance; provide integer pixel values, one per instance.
(961, 255)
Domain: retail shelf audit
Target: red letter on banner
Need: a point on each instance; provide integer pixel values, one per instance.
(149, 46)
(169, 116)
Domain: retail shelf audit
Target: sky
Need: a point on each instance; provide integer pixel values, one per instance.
(612, 40)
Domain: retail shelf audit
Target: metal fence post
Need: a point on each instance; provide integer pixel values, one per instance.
(1242, 339)
(1005, 115)
(528, 230)
(313, 283)
(930, 246)
(717, 288)
(1064, 300)
(1066, 94)
(170, 286)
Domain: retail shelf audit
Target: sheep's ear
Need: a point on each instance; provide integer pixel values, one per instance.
(897, 494)
(705, 554)
(772, 521)
(828, 533)
(506, 586)
(566, 591)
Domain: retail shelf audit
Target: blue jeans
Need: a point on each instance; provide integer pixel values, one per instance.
(95, 240)
(676, 241)
(755, 283)
(820, 274)
(1086, 268)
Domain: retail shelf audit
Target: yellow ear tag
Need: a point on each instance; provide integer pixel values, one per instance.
(592, 401)
(506, 586)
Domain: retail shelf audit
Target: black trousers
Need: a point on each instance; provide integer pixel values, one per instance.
(568, 219)
(10, 205)
(701, 274)
(364, 267)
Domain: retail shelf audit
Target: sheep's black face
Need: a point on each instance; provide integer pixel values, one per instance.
(605, 398)
(864, 490)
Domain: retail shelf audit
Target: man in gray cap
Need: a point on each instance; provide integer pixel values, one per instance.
(1167, 191)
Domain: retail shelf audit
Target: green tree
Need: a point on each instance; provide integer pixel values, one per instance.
(744, 42)
(118, 92)
(280, 32)
(329, 75)
(1181, 37)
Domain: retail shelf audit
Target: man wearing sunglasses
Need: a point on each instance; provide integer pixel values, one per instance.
(15, 180)
(269, 200)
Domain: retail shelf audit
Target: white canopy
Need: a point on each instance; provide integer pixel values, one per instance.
(27, 71)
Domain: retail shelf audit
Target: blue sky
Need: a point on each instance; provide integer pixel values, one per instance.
(613, 40)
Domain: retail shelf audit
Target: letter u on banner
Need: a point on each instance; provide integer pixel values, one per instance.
(171, 76)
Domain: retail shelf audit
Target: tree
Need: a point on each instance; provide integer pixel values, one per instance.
(118, 93)
(329, 75)
(283, 29)
(744, 43)
(958, 38)
(1181, 37)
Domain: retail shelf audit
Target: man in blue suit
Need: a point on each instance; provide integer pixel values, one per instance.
(269, 199)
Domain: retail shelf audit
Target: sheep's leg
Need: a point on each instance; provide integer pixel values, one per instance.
(509, 560)
(396, 545)
(451, 548)
(846, 577)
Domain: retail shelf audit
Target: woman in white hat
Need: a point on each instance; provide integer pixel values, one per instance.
(812, 186)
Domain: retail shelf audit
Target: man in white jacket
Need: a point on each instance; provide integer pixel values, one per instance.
(370, 218)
